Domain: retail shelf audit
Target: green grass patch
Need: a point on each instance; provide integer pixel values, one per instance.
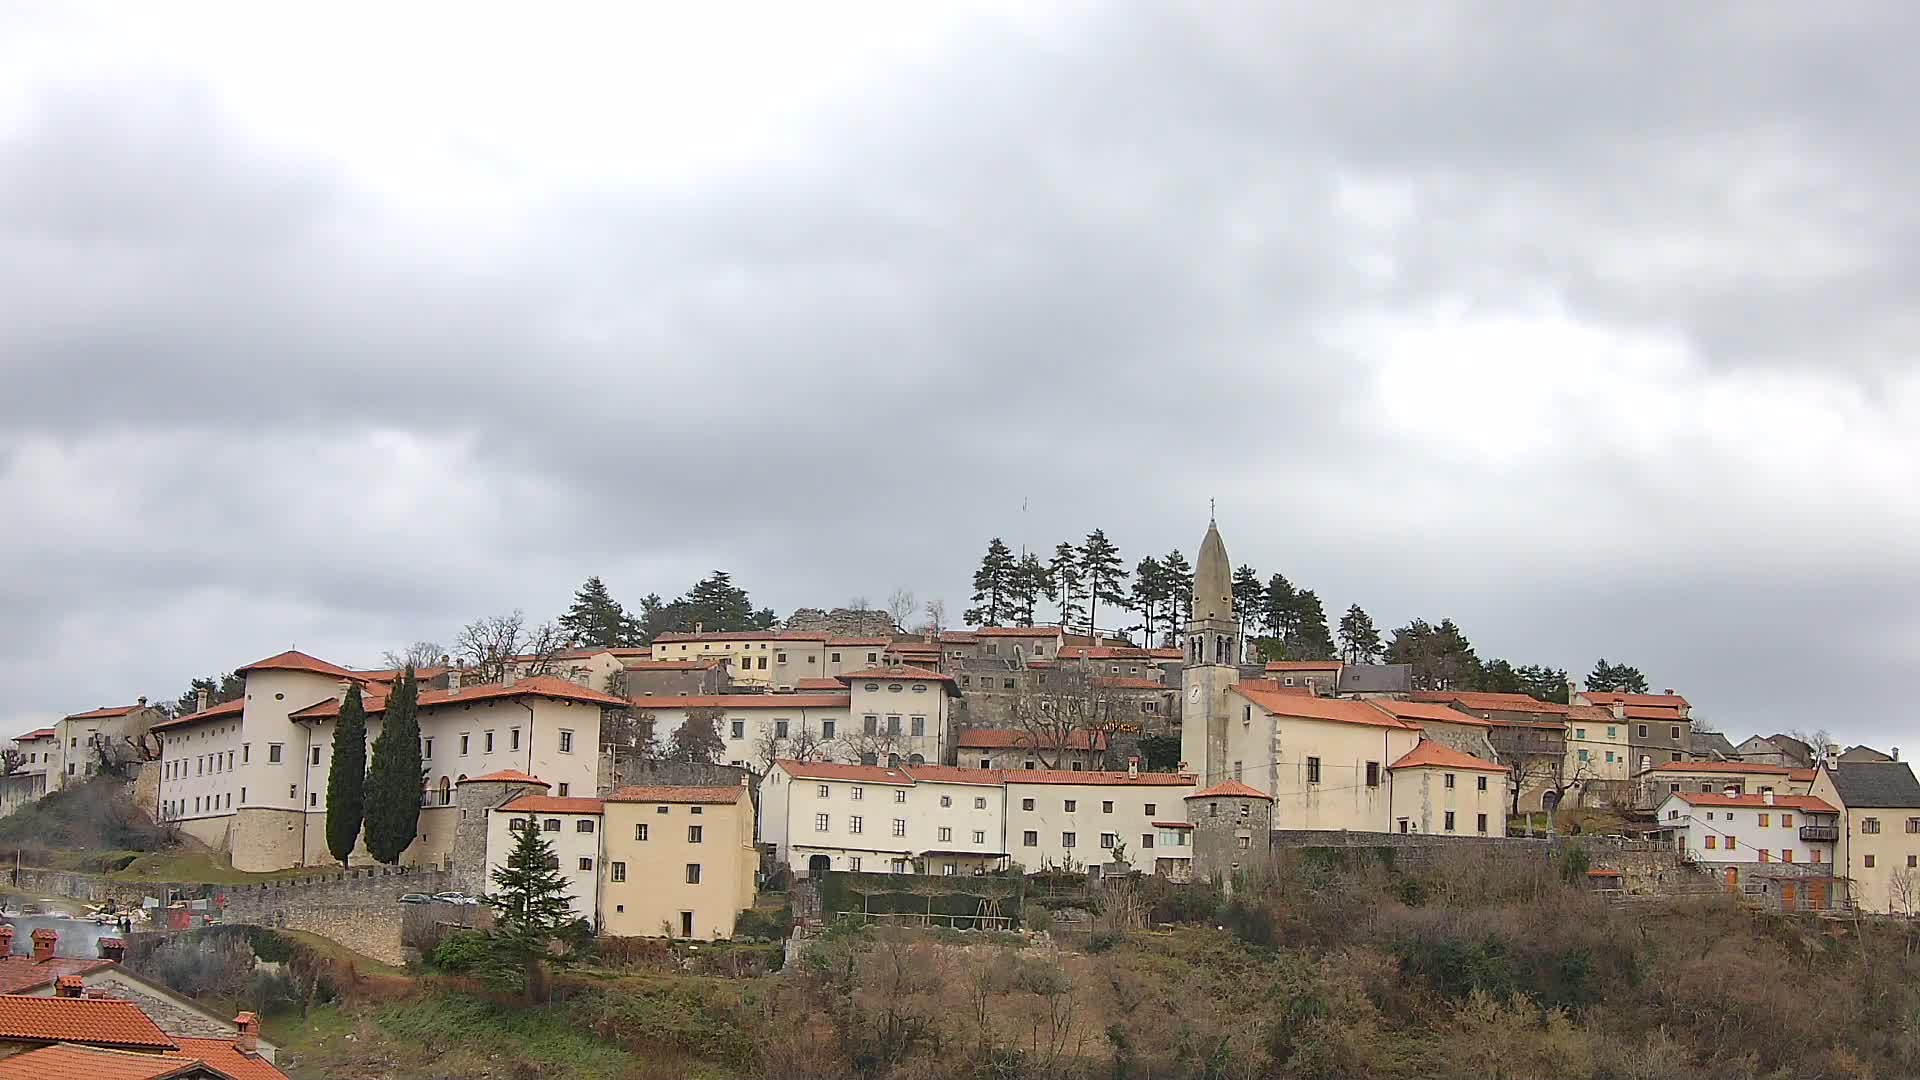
(197, 867)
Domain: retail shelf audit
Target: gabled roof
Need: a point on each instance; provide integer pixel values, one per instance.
(212, 712)
(226, 1057)
(553, 804)
(1018, 631)
(1608, 697)
(295, 660)
(1429, 712)
(641, 664)
(106, 712)
(36, 733)
(1230, 789)
(1103, 779)
(539, 686)
(1491, 702)
(902, 672)
(1111, 652)
(1430, 754)
(833, 770)
(68, 1061)
(504, 776)
(1755, 801)
(742, 635)
(93, 1021)
(1336, 710)
(1744, 768)
(20, 974)
(1653, 712)
(948, 774)
(741, 702)
(718, 795)
(829, 685)
(864, 643)
(1865, 784)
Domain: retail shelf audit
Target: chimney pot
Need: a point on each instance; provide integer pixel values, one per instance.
(113, 948)
(1895, 753)
(246, 1034)
(1133, 768)
(202, 700)
(453, 681)
(141, 701)
(6, 939)
(44, 942)
(69, 986)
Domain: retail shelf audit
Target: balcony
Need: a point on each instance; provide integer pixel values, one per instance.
(1819, 834)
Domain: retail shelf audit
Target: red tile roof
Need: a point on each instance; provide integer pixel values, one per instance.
(539, 686)
(904, 672)
(709, 796)
(105, 712)
(1418, 711)
(37, 733)
(1014, 739)
(295, 660)
(1117, 779)
(1651, 712)
(1743, 767)
(864, 643)
(743, 701)
(1337, 710)
(1757, 801)
(1128, 683)
(224, 1056)
(1489, 702)
(70, 1062)
(94, 1021)
(505, 776)
(1802, 776)
(1428, 753)
(20, 974)
(1608, 697)
(948, 774)
(833, 770)
(554, 804)
(1303, 665)
(1231, 789)
(1017, 631)
(213, 712)
(743, 635)
(830, 685)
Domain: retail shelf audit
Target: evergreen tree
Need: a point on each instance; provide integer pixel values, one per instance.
(697, 740)
(1279, 616)
(1026, 589)
(596, 618)
(716, 603)
(220, 690)
(1311, 641)
(1104, 574)
(1498, 677)
(395, 780)
(1180, 587)
(532, 909)
(993, 587)
(1441, 656)
(1359, 639)
(1063, 576)
(1544, 683)
(347, 777)
(1618, 678)
(1149, 592)
(1248, 596)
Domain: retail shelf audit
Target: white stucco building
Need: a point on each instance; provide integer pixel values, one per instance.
(572, 826)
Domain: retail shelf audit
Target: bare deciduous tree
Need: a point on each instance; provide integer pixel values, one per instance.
(12, 760)
(877, 747)
(420, 654)
(802, 745)
(901, 605)
(1051, 706)
(490, 647)
(936, 612)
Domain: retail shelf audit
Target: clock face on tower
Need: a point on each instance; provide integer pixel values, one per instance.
(1193, 696)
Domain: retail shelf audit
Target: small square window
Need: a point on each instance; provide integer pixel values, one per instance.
(693, 873)
(640, 831)
(586, 863)
(617, 871)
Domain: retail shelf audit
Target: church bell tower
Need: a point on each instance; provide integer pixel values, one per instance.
(1212, 663)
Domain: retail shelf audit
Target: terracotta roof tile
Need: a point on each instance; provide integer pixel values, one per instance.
(505, 776)
(1608, 697)
(743, 635)
(859, 642)
(295, 660)
(71, 1062)
(1017, 631)
(904, 672)
(224, 1056)
(1114, 779)
(1428, 753)
(1757, 801)
(94, 1021)
(105, 712)
(1417, 711)
(830, 685)
(833, 770)
(1337, 710)
(670, 665)
(20, 973)
(744, 701)
(1652, 712)
(1231, 789)
(948, 774)
(665, 794)
(540, 686)
(37, 733)
(554, 804)
(1490, 702)
(224, 710)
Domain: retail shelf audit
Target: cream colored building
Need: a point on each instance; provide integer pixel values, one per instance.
(1877, 846)
(1062, 818)
(925, 819)
(249, 777)
(1709, 777)
(775, 660)
(1325, 761)
(677, 861)
(751, 724)
(28, 782)
(1437, 789)
(572, 826)
(72, 757)
(1597, 747)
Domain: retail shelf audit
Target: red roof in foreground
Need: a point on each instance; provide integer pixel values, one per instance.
(1440, 755)
(94, 1021)
(1231, 789)
(833, 770)
(295, 660)
(224, 1056)
(70, 1062)
(903, 672)
(1757, 801)
(829, 685)
(664, 794)
(554, 804)
(505, 776)
(1337, 710)
(1417, 711)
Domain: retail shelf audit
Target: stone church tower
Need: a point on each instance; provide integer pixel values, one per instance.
(1212, 663)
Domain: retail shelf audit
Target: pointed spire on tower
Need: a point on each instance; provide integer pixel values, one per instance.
(1213, 578)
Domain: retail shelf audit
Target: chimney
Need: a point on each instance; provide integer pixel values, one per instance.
(1669, 691)
(1894, 752)
(246, 1034)
(69, 986)
(43, 943)
(114, 949)
(453, 681)
(1619, 710)
(141, 702)
(699, 627)
(6, 940)
(1133, 768)
(1767, 797)
(507, 675)
(1731, 791)
(1573, 690)
(202, 700)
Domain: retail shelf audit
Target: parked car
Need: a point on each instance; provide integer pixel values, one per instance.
(456, 898)
(415, 898)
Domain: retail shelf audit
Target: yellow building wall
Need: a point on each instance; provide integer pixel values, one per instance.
(649, 902)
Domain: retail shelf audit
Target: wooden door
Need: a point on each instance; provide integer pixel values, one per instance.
(1733, 880)
(1789, 897)
(1816, 896)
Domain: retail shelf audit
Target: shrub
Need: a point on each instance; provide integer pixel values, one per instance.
(462, 951)
(1039, 918)
(771, 925)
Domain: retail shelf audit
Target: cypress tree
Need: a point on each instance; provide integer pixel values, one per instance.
(394, 780)
(347, 779)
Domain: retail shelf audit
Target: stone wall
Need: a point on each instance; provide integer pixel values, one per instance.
(672, 774)
(358, 908)
(93, 888)
(1647, 868)
(841, 622)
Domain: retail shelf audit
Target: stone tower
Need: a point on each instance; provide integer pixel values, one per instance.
(1212, 663)
(1231, 822)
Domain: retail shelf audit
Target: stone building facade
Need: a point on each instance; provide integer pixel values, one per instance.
(1231, 823)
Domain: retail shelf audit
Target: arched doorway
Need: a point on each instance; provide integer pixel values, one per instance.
(818, 865)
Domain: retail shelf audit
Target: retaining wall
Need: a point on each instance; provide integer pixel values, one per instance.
(357, 908)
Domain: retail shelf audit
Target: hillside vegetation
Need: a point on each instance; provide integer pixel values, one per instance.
(1327, 971)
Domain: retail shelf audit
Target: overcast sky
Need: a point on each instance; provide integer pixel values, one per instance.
(1595, 333)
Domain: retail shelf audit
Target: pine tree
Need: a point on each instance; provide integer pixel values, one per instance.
(1248, 595)
(395, 779)
(532, 908)
(1441, 656)
(1545, 683)
(1618, 678)
(347, 777)
(1278, 616)
(220, 690)
(1028, 586)
(1311, 641)
(1104, 574)
(1180, 588)
(697, 740)
(596, 618)
(1149, 592)
(1359, 638)
(1498, 677)
(993, 587)
(1063, 577)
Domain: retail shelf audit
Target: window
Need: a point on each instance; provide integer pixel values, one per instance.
(946, 835)
(870, 724)
(513, 738)
(1106, 807)
(1867, 861)
(1236, 770)
(1449, 821)
(1373, 774)
(780, 729)
(566, 741)
(1480, 822)
(853, 863)
(1151, 809)
(1072, 805)
(1786, 854)
(1870, 825)
(857, 794)
(1731, 842)
(1674, 734)
(836, 658)
(584, 825)
(979, 836)
(316, 758)
(290, 790)
(1026, 804)
(1108, 840)
(693, 878)
(1643, 731)
(1481, 784)
(856, 824)
(820, 822)
(780, 658)
(1066, 839)
(1913, 824)
(1582, 754)
(273, 753)
(313, 798)
(762, 665)
(551, 824)
(486, 743)
(822, 791)
(893, 725)
(563, 789)
(1913, 860)
(1313, 770)
(1448, 784)
(980, 802)
(826, 729)
(465, 738)
(694, 833)
(586, 863)
(1030, 839)
(1580, 733)
(899, 796)
(946, 800)
(739, 729)
(1712, 841)
(616, 871)
(246, 752)
(1609, 757)
(1006, 684)
(899, 826)
(640, 831)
